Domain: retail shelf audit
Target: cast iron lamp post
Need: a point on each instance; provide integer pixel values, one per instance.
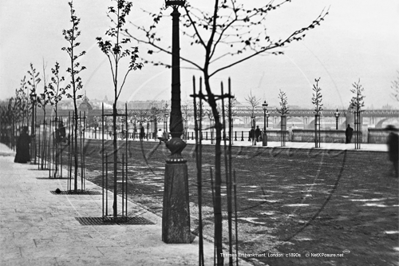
(264, 139)
(166, 126)
(336, 119)
(176, 211)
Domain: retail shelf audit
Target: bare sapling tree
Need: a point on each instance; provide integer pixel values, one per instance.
(356, 104)
(229, 34)
(43, 99)
(186, 115)
(357, 100)
(155, 115)
(33, 81)
(395, 87)
(317, 99)
(231, 112)
(71, 35)
(16, 104)
(9, 114)
(112, 47)
(253, 102)
(283, 111)
(56, 92)
(22, 101)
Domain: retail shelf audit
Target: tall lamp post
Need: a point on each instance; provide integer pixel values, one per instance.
(264, 138)
(166, 126)
(336, 119)
(176, 211)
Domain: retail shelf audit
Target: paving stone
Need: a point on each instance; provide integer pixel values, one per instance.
(38, 228)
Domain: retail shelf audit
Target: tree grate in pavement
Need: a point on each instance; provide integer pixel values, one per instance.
(112, 221)
(79, 192)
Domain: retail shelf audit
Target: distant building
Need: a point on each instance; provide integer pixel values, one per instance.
(387, 107)
(85, 106)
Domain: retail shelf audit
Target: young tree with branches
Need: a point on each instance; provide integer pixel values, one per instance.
(155, 115)
(229, 34)
(317, 99)
(71, 35)
(12, 115)
(33, 83)
(356, 104)
(112, 47)
(22, 101)
(253, 102)
(10, 111)
(395, 87)
(44, 98)
(283, 111)
(56, 92)
(357, 100)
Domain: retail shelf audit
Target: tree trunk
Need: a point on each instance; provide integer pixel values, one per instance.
(218, 176)
(75, 149)
(115, 151)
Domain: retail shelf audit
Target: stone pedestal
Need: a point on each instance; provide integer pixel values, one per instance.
(176, 208)
(264, 138)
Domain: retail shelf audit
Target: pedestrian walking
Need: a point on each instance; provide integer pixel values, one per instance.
(348, 133)
(160, 136)
(393, 145)
(23, 141)
(290, 134)
(142, 133)
(257, 133)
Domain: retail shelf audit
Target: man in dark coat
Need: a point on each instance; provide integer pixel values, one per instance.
(257, 133)
(142, 133)
(393, 144)
(348, 134)
(22, 155)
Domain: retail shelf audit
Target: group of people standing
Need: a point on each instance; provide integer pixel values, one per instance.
(255, 134)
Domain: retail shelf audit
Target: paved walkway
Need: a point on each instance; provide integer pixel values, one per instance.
(310, 145)
(40, 228)
(299, 145)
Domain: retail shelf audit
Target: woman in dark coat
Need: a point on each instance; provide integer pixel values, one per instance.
(142, 133)
(22, 155)
(348, 134)
(393, 146)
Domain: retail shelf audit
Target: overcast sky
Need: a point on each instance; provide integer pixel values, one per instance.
(359, 39)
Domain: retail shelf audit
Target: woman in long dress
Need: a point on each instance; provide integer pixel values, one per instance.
(22, 155)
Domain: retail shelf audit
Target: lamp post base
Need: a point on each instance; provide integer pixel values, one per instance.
(176, 208)
(264, 139)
